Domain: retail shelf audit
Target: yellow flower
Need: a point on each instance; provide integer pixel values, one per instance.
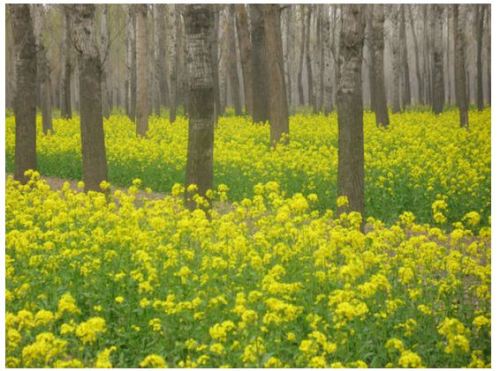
(88, 331)
(67, 304)
(119, 299)
(102, 360)
(153, 361)
(410, 359)
(45, 348)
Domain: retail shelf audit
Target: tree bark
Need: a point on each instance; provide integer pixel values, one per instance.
(133, 60)
(214, 43)
(245, 55)
(199, 23)
(260, 78)
(479, 55)
(381, 115)
(350, 109)
(104, 51)
(329, 65)
(420, 84)
(162, 55)
(276, 71)
(25, 96)
(396, 58)
(174, 49)
(406, 98)
(372, 73)
(321, 52)
(300, 85)
(460, 83)
(437, 52)
(66, 111)
(233, 62)
(90, 71)
(141, 12)
(310, 82)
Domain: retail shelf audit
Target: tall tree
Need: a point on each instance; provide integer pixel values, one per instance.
(245, 54)
(419, 83)
(66, 111)
(406, 96)
(328, 61)
(132, 66)
(214, 33)
(95, 169)
(161, 66)
(310, 82)
(396, 58)
(460, 84)
(106, 109)
(199, 23)
(437, 56)
(260, 78)
(479, 54)
(276, 71)
(350, 108)
(25, 96)
(233, 62)
(381, 115)
(174, 50)
(370, 44)
(300, 83)
(141, 11)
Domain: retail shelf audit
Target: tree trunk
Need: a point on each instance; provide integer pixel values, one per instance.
(381, 115)
(276, 71)
(372, 73)
(233, 62)
(141, 12)
(329, 65)
(300, 85)
(25, 96)
(162, 55)
(321, 52)
(260, 78)
(66, 111)
(420, 84)
(245, 55)
(479, 55)
(133, 70)
(214, 50)
(396, 58)
(90, 69)
(310, 82)
(350, 109)
(460, 87)
(406, 98)
(104, 51)
(437, 66)
(199, 24)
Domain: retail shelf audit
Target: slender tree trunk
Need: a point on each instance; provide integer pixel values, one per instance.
(174, 58)
(310, 82)
(321, 51)
(90, 71)
(406, 98)
(488, 53)
(199, 23)
(427, 58)
(479, 55)
(260, 79)
(162, 55)
(233, 62)
(420, 84)
(133, 76)
(25, 96)
(104, 51)
(437, 67)
(245, 55)
(329, 65)
(66, 83)
(142, 70)
(396, 58)
(214, 32)
(460, 83)
(289, 57)
(276, 72)
(300, 85)
(372, 73)
(350, 109)
(381, 115)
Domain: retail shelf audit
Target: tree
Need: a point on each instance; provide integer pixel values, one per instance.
(310, 82)
(104, 52)
(214, 33)
(199, 22)
(245, 55)
(141, 11)
(406, 97)
(278, 106)
(396, 58)
(460, 87)
(381, 114)
(162, 55)
(131, 62)
(67, 67)
(437, 56)
(90, 72)
(371, 55)
(479, 56)
(233, 62)
(174, 49)
(350, 108)
(419, 82)
(25, 96)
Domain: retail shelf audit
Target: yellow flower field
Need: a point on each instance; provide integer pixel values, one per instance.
(113, 281)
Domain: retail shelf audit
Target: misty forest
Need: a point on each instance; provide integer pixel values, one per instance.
(248, 185)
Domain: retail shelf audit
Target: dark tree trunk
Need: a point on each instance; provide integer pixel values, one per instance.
(162, 56)
(300, 85)
(106, 107)
(479, 56)
(460, 83)
(372, 74)
(406, 98)
(214, 33)
(419, 82)
(437, 66)
(92, 132)
(233, 62)
(260, 78)
(66, 111)
(245, 55)
(276, 72)
(199, 23)
(142, 61)
(25, 96)
(350, 109)
(396, 58)
(381, 115)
